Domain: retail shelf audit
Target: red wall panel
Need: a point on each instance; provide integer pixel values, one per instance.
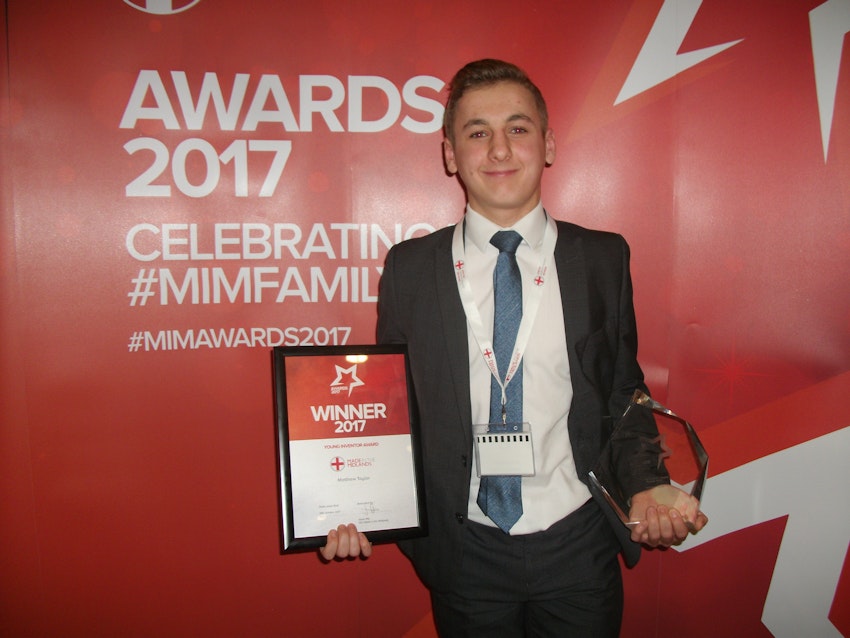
(137, 438)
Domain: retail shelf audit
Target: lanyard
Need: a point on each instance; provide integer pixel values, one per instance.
(534, 297)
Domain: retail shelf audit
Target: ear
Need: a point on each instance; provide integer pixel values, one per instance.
(549, 140)
(449, 157)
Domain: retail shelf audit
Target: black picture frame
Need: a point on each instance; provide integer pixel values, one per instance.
(300, 470)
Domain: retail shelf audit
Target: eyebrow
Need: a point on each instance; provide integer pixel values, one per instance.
(516, 117)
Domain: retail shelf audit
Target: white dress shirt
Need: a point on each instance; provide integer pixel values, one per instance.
(555, 490)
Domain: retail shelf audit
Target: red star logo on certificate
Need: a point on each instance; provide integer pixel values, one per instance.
(459, 264)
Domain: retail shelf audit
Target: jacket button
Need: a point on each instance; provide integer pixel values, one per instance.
(459, 517)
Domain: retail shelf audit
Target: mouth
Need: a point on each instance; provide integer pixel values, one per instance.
(497, 174)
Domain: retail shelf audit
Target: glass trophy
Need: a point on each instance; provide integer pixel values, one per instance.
(649, 431)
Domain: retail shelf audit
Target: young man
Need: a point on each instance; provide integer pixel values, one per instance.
(535, 556)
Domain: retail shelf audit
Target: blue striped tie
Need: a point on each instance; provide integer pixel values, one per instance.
(500, 497)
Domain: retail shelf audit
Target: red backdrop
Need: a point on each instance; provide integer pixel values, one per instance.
(153, 252)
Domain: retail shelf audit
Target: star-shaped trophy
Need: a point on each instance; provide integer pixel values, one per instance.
(649, 434)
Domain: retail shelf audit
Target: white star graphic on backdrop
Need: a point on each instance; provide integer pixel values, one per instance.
(829, 23)
(659, 59)
(804, 582)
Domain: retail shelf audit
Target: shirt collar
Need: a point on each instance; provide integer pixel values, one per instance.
(478, 229)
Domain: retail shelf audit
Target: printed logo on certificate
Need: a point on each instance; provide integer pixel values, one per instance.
(348, 445)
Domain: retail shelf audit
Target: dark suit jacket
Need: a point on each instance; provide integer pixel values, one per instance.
(419, 305)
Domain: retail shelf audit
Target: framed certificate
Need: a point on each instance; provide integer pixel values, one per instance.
(348, 444)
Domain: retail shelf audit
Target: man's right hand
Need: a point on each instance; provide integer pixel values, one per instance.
(346, 542)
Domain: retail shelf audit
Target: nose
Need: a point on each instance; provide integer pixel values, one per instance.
(500, 147)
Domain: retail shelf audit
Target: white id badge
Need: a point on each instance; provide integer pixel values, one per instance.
(503, 449)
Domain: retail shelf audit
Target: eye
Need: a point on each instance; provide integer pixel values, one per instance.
(477, 134)
(518, 130)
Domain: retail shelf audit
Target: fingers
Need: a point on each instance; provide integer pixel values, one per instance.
(657, 527)
(365, 545)
(680, 527)
(664, 526)
(346, 542)
(329, 550)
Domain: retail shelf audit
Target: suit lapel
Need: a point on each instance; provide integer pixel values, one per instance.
(572, 280)
(570, 263)
(454, 332)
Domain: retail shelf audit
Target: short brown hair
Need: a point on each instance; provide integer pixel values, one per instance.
(485, 73)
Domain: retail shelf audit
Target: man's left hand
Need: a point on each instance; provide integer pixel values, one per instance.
(666, 514)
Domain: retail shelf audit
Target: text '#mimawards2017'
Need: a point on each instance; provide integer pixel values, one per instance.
(220, 338)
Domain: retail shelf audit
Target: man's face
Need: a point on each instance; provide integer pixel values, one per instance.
(499, 151)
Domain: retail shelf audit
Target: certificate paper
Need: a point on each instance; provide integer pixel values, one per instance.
(347, 444)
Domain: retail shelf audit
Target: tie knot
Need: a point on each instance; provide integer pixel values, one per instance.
(506, 240)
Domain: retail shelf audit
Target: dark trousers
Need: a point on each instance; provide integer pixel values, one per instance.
(563, 582)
